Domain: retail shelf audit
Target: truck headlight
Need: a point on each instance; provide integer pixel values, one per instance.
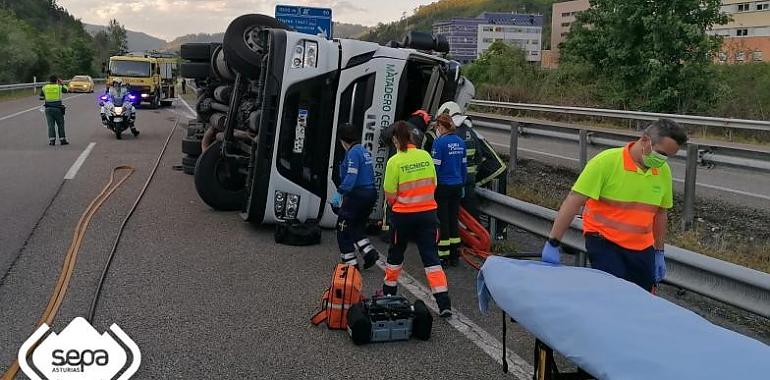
(292, 206)
(286, 205)
(145, 95)
(310, 58)
(305, 54)
(279, 203)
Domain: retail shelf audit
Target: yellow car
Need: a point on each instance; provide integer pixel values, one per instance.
(81, 83)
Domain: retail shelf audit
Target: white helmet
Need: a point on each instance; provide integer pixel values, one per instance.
(453, 110)
(117, 81)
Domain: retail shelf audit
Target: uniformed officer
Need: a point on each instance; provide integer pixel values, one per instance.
(463, 131)
(409, 185)
(355, 198)
(626, 192)
(54, 109)
(449, 157)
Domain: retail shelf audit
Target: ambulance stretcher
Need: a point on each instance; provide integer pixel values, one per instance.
(613, 329)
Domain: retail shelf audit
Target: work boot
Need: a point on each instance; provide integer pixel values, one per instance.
(371, 255)
(134, 131)
(63, 142)
(349, 259)
(51, 142)
(444, 304)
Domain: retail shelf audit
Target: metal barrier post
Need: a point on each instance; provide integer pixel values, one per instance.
(494, 185)
(583, 148)
(34, 85)
(514, 148)
(688, 216)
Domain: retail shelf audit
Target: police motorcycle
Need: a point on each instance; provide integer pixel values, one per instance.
(118, 112)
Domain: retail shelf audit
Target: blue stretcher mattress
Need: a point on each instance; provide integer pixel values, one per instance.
(613, 329)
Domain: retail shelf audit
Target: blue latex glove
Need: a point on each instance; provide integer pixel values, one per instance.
(462, 193)
(551, 254)
(660, 266)
(336, 200)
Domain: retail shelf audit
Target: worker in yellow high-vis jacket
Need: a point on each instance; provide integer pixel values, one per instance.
(409, 185)
(54, 109)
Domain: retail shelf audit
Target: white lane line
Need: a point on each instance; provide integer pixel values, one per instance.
(517, 366)
(33, 108)
(679, 180)
(192, 111)
(79, 162)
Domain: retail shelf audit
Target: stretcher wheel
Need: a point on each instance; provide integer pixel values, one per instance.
(359, 325)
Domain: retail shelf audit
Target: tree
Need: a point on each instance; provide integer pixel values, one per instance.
(117, 37)
(653, 54)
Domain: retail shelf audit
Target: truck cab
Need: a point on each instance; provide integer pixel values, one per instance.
(150, 79)
(299, 92)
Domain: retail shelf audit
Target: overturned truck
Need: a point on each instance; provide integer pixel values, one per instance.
(270, 102)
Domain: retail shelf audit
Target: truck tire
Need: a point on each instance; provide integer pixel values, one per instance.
(218, 183)
(222, 94)
(196, 51)
(195, 70)
(188, 164)
(191, 146)
(241, 46)
(418, 40)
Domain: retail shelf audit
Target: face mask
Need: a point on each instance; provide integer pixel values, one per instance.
(654, 159)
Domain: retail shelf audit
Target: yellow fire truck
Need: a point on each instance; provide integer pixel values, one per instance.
(150, 77)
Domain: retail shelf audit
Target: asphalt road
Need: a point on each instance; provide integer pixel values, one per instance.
(738, 186)
(202, 293)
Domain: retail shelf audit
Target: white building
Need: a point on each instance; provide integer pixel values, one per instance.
(525, 37)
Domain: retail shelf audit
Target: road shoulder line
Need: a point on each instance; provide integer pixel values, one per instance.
(73, 171)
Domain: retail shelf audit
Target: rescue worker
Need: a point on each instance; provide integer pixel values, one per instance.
(450, 161)
(626, 192)
(464, 132)
(54, 109)
(409, 184)
(355, 198)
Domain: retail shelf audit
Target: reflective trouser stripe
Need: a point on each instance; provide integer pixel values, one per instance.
(436, 279)
(349, 258)
(391, 274)
(472, 169)
(470, 152)
(363, 242)
(367, 249)
(443, 248)
(455, 240)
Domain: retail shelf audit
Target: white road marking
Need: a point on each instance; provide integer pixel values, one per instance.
(34, 108)
(79, 162)
(517, 366)
(679, 180)
(192, 111)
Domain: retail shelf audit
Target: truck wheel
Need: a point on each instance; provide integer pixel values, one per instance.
(218, 181)
(196, 51)
(241, 42)
(195, 70)
(191, 146)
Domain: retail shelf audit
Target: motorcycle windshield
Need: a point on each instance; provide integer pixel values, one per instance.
(117, 101)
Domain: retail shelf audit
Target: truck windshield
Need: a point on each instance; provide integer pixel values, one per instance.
(130, 68)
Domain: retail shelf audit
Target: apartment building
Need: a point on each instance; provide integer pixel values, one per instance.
(747, 35)
(563, 16)
(469, 37)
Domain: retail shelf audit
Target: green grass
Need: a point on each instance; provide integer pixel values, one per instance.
(15, 94)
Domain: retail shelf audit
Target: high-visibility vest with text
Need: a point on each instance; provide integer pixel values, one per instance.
(410, 181)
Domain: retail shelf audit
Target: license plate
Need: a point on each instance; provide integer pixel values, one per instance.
(117, 119)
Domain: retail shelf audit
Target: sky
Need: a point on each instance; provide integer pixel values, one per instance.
(169, 19)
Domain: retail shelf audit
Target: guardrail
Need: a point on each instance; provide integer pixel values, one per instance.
(754, 125)
(732, 284)
(712, 152)
(34, 85)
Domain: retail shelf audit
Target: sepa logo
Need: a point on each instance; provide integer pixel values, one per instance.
(79, 353)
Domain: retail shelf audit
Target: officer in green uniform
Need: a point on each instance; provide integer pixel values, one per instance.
(54, 109)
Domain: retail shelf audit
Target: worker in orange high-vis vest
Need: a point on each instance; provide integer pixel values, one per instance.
(409, 185)
(625, 193)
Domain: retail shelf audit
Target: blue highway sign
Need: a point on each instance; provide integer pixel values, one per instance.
(315, 21)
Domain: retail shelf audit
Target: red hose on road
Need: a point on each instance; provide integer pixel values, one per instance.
(476, 240)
